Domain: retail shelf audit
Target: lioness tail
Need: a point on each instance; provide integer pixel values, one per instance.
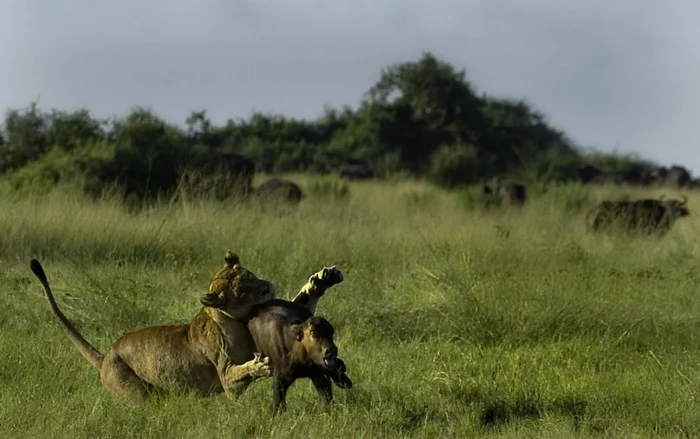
(89, 352)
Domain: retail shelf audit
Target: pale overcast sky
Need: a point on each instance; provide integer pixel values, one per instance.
(608, 72)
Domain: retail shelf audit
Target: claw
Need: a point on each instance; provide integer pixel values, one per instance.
(258, 357)
(262, 367)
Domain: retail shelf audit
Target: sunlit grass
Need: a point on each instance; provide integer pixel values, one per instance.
(454, 322)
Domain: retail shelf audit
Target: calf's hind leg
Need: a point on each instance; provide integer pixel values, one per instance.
(280, 385)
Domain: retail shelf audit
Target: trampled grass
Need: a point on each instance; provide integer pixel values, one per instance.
(453, 322)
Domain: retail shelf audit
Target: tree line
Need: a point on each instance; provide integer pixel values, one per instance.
(421, 118)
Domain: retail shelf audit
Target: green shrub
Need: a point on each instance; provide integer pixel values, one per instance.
(570, 197)
(327, 187)
(453, 165)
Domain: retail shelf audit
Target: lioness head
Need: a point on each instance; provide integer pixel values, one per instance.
(236, 290)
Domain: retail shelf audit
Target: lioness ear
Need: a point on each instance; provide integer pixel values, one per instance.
(231, 259)
(298, 331)
(214, 300)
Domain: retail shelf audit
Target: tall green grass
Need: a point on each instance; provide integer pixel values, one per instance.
(454, 321)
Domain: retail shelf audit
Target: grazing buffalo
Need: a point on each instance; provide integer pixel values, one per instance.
(590, 174)
(515, 193)
(644, 216)
(264, 167)
(278, 188)
(356, 170)
(635, 177)
(678, 177)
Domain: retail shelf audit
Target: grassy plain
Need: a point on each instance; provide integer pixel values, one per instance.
(449, 327)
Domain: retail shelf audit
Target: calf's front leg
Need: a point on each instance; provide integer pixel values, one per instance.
(323, 386)
(316, 287)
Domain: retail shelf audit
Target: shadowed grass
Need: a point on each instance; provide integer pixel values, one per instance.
(453, 322)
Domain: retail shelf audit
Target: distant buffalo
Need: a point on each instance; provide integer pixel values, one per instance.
(636, 177)
(264, 167)
(644, 216)
(678, 177)
(515, 193)
(278, 188)
(590, 174)
(639, 177)
(356, 171)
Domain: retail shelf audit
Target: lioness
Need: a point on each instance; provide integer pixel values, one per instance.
(214, 353)
(299, 345)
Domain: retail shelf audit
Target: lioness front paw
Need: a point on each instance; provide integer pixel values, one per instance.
(330, 275)
(260, 366)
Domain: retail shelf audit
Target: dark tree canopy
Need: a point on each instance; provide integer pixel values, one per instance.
(421, 117)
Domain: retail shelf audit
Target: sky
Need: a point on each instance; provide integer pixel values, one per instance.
(613, 74)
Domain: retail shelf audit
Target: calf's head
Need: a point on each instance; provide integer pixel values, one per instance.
(316, 337)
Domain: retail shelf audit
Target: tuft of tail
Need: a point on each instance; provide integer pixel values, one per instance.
(86, 349)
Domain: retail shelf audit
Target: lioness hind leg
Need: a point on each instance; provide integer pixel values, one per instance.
(120, 380)
(317, 285)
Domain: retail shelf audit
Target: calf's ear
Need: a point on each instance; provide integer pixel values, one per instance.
(298, 331)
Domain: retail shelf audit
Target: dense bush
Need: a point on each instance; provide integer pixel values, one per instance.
(454, 165)
(421, 119)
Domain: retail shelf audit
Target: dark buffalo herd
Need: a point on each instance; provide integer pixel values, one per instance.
(676, 177)
(277, 189)
(510, 191)
(646, 216)
(356, 170)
